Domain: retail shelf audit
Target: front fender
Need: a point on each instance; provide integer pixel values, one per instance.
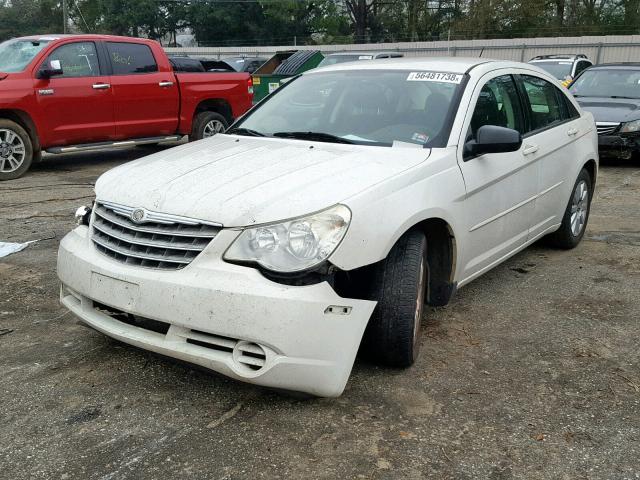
(382, 214)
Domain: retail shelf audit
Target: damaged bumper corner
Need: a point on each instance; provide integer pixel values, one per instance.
(223, 317)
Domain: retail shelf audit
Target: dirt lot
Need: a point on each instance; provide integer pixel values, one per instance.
(533, 371)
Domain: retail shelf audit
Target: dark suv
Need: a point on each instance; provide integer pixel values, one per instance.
(611, 93)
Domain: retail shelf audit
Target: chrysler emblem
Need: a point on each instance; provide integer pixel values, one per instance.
(138, 215)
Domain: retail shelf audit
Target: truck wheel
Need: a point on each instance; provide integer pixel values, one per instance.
(576, 215)
(207, 124)
(399, 283)
(16, 150)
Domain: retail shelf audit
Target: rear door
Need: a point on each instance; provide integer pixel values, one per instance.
(146, 96)
(553, 127)
(501, 187)
(77, 106)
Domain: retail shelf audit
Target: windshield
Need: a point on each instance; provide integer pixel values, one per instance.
(374, 107)
(607, 83)
(560, 70)
(333, 59)
(15, 55)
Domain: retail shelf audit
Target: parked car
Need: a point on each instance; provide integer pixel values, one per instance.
(342, 57)
(245, 64)
(612, 94)
(564, 67)
(81, 92)
(330, 214)
(184, 63)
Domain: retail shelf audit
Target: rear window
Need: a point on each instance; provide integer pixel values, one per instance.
(560, 69)
(131, 58)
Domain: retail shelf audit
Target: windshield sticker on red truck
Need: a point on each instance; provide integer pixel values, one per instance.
(445, 77)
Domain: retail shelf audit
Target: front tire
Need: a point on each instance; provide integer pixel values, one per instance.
(392, 336)
(16, 150)
(576, 215)
(208, 124)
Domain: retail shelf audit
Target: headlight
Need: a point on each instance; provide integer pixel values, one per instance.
(83, 215)
(294, 245)
(630, 127)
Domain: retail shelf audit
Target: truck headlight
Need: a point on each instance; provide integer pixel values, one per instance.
(630, 127)
(294, 245)
(83, 215)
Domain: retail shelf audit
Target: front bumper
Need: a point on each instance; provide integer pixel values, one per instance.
(304, 338)
(618, 146)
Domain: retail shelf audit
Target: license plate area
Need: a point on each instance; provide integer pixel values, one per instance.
(114, 292)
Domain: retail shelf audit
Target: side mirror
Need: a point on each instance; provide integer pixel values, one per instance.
(493, 139)
(54, 68)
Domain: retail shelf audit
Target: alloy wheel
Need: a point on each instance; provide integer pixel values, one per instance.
(213, 127)
(579, 208)
(12, 151)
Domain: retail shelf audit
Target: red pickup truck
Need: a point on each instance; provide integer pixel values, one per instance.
(64, 93)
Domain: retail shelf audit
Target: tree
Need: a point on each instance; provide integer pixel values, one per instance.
(28, 17)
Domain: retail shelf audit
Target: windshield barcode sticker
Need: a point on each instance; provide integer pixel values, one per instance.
(434, 77)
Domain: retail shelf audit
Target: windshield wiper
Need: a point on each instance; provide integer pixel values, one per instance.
(318, 136)
(245, 131)
(622, 96)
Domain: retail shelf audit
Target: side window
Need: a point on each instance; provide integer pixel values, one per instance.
(570, 112)
(498, 104)
(76, 59)
(131, 58)
(547, 106)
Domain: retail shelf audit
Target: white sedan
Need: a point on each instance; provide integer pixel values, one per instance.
(329, 215)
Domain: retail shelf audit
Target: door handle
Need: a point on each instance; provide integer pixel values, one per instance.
(101, 86)
(572, 132)
(529, 149)
(166, 84)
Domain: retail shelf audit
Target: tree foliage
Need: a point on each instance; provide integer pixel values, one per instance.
(281, 22)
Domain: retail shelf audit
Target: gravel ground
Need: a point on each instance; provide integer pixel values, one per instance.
(531, 372)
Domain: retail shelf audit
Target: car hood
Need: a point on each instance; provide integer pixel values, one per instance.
(3, 75)
(240, 181)
(611, 109)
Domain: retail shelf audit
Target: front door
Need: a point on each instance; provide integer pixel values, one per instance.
(500, 187)
(146, 99)
(77, 106)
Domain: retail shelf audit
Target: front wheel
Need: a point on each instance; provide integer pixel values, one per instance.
(576, 215)
(399, 283)
(16, 150)
(208, 124)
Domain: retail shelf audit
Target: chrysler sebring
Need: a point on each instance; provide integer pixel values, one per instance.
(325, 219)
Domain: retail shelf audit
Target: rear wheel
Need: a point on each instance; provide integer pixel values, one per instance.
(16, 150)
(576, 215)
(208, 124)
(392, 336)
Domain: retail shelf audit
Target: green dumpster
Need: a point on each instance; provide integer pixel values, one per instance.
(282, 65)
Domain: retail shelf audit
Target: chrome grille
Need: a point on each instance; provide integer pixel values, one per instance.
(605, 128)
(157, 241)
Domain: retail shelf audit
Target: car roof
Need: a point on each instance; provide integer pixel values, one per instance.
(354, 52)
(240, 57)
(622, 65)
(439, 64)
(83, 36)
(559, 56)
